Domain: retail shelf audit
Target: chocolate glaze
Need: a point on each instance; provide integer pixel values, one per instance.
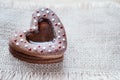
(44, 33)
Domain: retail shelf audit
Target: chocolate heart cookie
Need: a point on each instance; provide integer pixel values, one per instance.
(44, 42)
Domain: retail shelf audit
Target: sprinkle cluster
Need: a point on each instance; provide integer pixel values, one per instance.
(59, 41)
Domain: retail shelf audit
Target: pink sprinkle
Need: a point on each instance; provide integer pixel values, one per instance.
(53, 14)
(29, 49)
(37, 11)
(63, 34)
(15, 40)
(42, 51)
(44, 15)
(60, 42)
(20, 35)
(59, 47)
(61, 27)
(55, 24)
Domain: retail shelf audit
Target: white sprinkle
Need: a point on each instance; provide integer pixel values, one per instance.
(59, 23)
(16, 35)
(24, 31)
(17, 43)
(53, 46)
(38, 14)
(58, 31)
(63, 46)
(26, 46)
(35, 20)
(35, 48)
(21, 40)
(53, 19)
(63, 39)
(49, 50)
(58, 36)
(44, 47)
(47, 11)
(42, 9)
(34, 27)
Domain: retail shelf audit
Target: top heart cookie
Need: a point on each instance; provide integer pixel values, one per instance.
(44, 42)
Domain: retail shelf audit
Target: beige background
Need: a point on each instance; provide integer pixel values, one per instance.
(93, 32)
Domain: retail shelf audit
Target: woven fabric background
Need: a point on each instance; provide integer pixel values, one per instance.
(93, 32)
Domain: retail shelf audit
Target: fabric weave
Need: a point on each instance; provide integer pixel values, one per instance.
(93, 52)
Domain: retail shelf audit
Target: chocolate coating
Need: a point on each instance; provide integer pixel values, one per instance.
(44, 33)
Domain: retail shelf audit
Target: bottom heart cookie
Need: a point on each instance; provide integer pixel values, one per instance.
(33, 59)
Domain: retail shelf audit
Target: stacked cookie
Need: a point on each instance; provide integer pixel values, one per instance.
(45, 42)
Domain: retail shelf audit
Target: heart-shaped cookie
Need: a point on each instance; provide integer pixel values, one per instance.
(44, 42)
